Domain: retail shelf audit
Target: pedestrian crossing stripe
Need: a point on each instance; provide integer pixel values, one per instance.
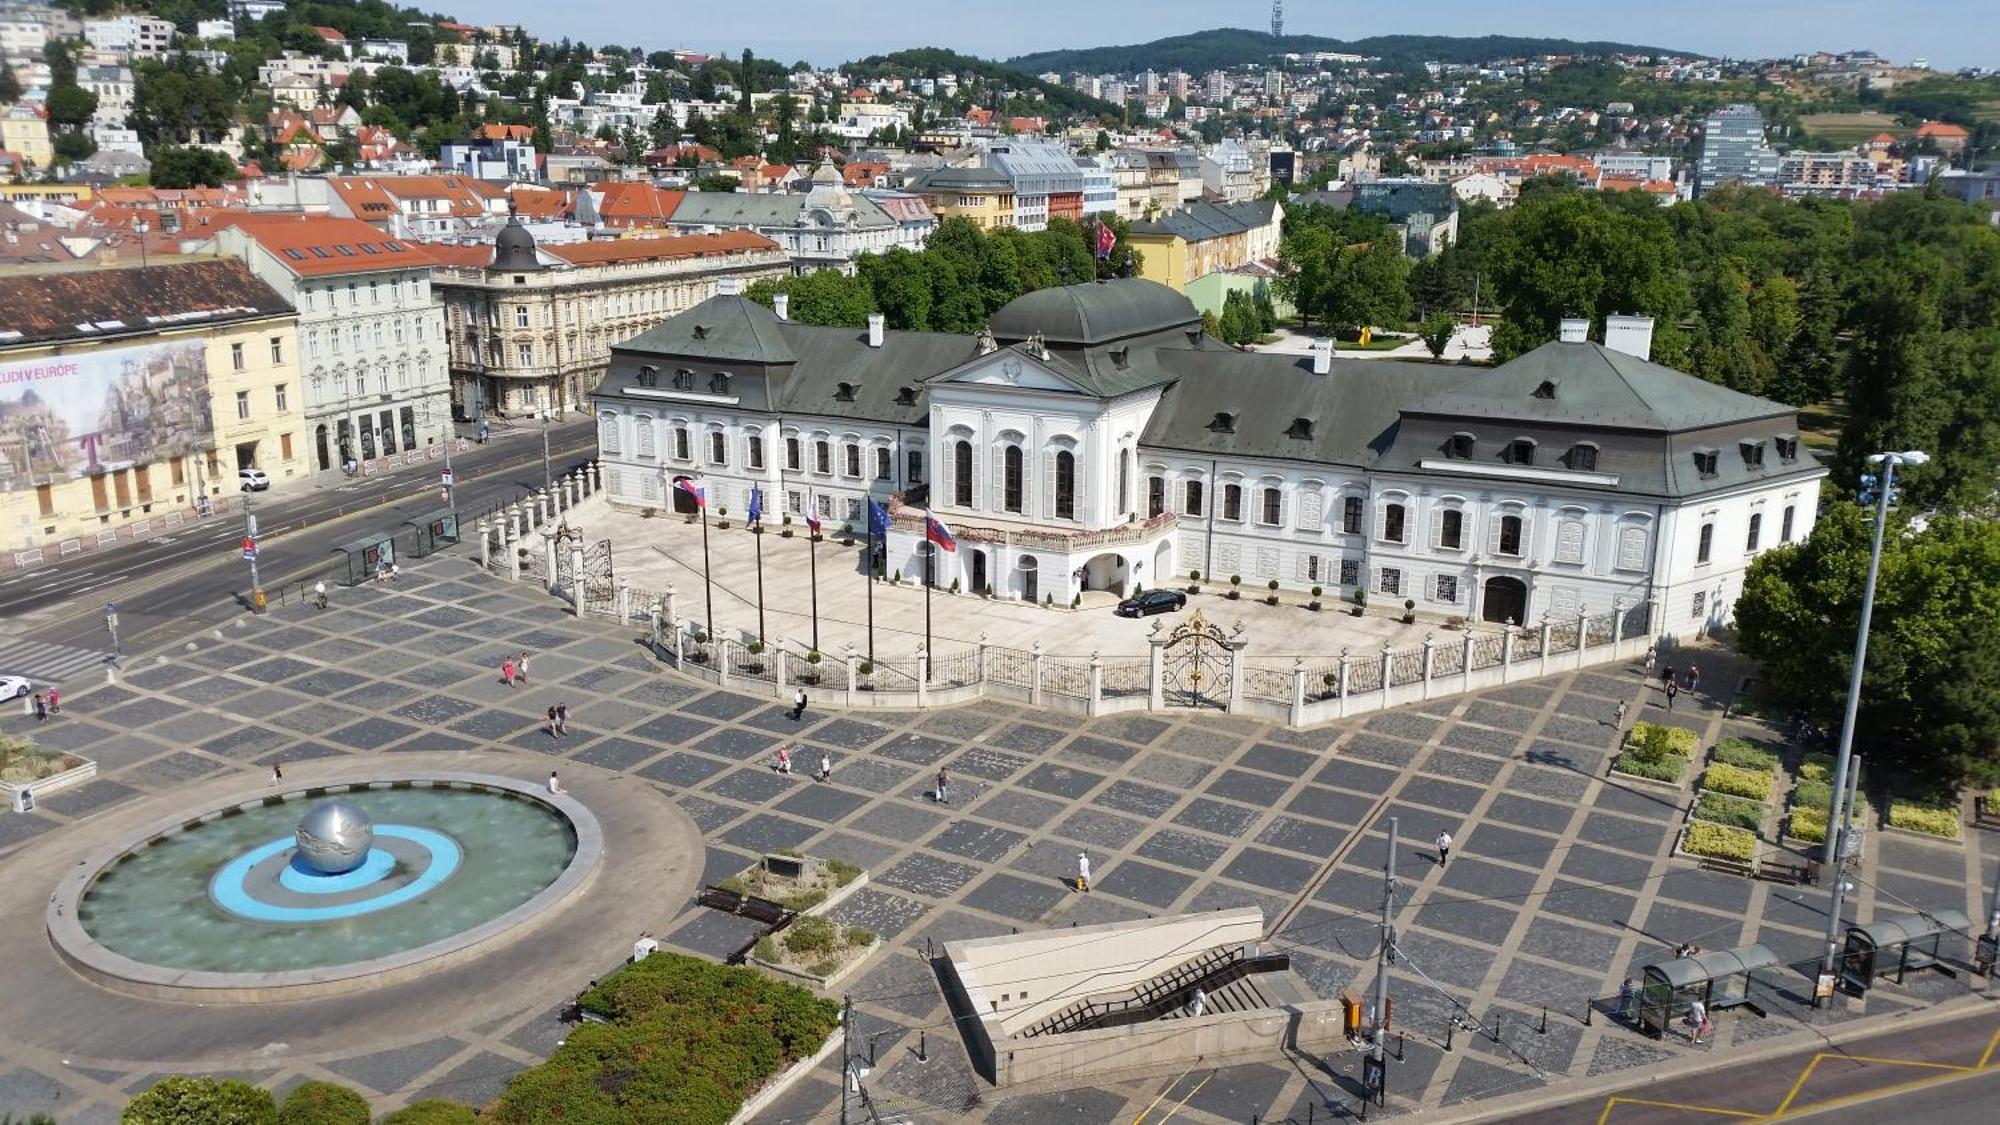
(47, 663)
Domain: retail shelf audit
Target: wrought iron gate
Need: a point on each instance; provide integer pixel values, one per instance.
(595, 589)
(1195, 663)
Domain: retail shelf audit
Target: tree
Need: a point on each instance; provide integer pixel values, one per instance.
(70, 106)
(826, 297)
(747, 79)
(177, 166)
(179, 102)
(716, 181)
(10, 86)
(1437, 330)
(1238, 323)
(1930, 696)
(199, 1100)
(899, 281)
(1566, 253)
(323, 1103)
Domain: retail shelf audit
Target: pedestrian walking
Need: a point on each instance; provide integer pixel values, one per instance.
(784, 760)
(55, 702)
(552, 721)
(507, 671)
(1673, 689)
(523, 663)
(1694, 677)
(1697, 1020)
(1666, 676)
(562, 719)
(1652, 654)
(554, 785)
(1197, 1002)
(941, 793)
(319, 594)
(41, 708)
(825, 766)
(798, 704)
(1627, 993)
(277, 771)
(1618, 719)
(1083, 872)
(1443, 846)
(394, 570)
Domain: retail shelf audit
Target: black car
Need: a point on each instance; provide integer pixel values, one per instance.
(1152, 601)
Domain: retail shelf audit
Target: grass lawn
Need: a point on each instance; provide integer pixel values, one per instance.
(1821, 423)
(1852, 128)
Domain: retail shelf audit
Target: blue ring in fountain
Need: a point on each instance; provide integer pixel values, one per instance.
(230, 890)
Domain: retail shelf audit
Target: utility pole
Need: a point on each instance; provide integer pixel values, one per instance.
(1379, 1070)
(846, 1053)
(1991, 941)
(548, 479)
(111, 626)
(1849, 848)
(250, 552)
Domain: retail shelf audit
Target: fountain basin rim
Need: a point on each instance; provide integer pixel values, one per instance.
(116, 971)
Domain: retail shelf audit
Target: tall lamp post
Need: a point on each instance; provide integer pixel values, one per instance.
(1837, 813)
(548, 479)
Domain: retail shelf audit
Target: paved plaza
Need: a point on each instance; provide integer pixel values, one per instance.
(653, 553)
(1561, 881)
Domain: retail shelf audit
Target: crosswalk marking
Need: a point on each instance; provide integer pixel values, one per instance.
(47, 663)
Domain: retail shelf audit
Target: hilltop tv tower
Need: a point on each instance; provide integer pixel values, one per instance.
(1277, 19)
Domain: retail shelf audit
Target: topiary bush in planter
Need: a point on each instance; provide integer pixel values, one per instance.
(1360, 601)
(1235, 586)
(1409, 611)
(1317, 591)
(1272, 599)
(1718, 841)
(722, 518)
(1194, 582)
(785, 527)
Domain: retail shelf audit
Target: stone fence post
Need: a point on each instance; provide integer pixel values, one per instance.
(1387, 660)
(576, 579)
(1465, 661)
(1156, 673)
(1545, 645)
(923, 678)
(720, 648)
(485, 546)
(667, 602)
(1035, 686)
(549, 549)
(1506, 653)
(513, 549)
(1346, 671)
(624, 601)
(1298, 691)
(1430, 654)
(1096, 704)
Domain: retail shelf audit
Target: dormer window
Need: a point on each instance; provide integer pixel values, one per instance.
(684, 380)
(1547, 390)
(649, 376)
(906, 396)
(1521, 451)
(1705, 462)
(1223, 423)
(1753, 454)
(1583, 457)
(701, 331)
(1301, 428)
(1788, 448)
(1459, 448)
(843, 392)
(718, 383)
(1118, 358)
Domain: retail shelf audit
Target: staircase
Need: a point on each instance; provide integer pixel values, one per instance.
(1224, 975)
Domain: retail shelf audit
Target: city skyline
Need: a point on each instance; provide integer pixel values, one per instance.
(1942, 31)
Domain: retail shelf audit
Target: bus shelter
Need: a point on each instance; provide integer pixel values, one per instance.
(1897, 945)
(1719, 980)
(431, 532)
(363, 559)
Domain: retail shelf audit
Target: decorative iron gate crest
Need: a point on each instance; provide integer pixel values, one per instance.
(1195, 664)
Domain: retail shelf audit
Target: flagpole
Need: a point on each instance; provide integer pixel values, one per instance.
(868, 574)
(758, 531)
(707, 585)
(930, 578)
(812, 563)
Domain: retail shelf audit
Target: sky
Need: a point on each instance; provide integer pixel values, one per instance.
(1950, 33)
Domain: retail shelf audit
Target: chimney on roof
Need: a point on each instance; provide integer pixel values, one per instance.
(781, 303)
(729, 286)
(1575, 330)
(1632, 335)
(876, 321)
(1323, 356)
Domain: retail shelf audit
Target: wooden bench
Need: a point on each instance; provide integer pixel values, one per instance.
(1728, 867)
(1790, 874)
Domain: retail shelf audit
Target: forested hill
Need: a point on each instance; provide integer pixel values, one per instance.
(1225, 47)
(982, 81)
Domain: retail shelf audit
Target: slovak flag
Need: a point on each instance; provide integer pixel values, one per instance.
(694, 491)
(937, 532)
(812, 521)
(1106, 240)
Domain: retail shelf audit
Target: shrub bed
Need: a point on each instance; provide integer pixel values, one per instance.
(1737, 782)
(183, 1098)
(1718, 841)
(1666, 767)
(1673, 740)
(323, 1103)
(1931, 820)
(688, 1042)
(1808, 824)
(1813, 794)
(1737, 812)
(1817, 767)
(1743, 753)
(433, 1111)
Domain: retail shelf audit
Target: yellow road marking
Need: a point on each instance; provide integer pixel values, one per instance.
(1884, 1092)
(1616, 1101)
(1150, 1106)
(1182, 1104)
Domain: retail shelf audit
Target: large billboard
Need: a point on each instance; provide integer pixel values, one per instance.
(69, 416)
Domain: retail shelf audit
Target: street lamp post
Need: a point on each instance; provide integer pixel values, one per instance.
(548, 480)
(1837, 812)
(250, 552)
(111, 626)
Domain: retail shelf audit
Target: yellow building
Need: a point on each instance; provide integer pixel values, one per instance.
(46, 193)
(23, 131)
(1200, 239)
(983, 195)
(129, 398)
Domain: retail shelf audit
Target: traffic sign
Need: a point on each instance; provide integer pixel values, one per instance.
(446, 478)
(249, 548)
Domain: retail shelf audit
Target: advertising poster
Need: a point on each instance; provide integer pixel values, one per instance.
(68, 416)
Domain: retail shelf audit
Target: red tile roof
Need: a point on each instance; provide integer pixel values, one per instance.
(632, 204)
(602, 252)
(318, 245)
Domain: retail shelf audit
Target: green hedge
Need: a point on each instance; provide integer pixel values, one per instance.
(1817, 767)
(433, 1111)
(187, 1099)
(1737, 812)
(323, 1103)
(1719, 841)
(1672, 740)
(1808, 824)
(1737, 782)
(1813, 794)
(1666, 768)
(1746, 754)
(688, 1041)
(1928, 819)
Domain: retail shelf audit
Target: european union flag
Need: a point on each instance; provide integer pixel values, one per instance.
(756, 504)
(878, 521)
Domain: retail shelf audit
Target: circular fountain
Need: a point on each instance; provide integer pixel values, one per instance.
(339, 887)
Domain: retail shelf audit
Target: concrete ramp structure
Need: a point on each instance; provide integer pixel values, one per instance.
(1098, 1001)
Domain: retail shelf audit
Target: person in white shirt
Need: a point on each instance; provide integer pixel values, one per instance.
(1444, 847)
(1082, 873)
(554, 785)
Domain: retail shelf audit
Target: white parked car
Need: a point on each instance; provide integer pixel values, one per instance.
(253, 480)
(14, 687)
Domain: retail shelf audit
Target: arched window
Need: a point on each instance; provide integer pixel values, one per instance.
(1191, 497)
(961, 473)
(792, 454)
(1510, 535)
(1451, 529)
(1393, 517)
(1065, 485)
(851, 459)
(1124, 481)
(1274, 508)
(683, 449)
(823, 458)
(1756, 532)
(1232, 502)
(1156, 495)
(1011, 477)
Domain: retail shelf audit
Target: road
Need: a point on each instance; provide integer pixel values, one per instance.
(1942, 1072)
(52, 625)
